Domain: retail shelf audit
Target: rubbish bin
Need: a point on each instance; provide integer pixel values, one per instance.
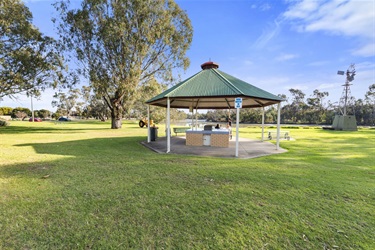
(154, 133)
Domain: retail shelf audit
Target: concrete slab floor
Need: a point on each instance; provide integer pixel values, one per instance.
(248, 148)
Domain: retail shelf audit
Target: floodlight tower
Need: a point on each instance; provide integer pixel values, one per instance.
(346, 94)
(344, 121)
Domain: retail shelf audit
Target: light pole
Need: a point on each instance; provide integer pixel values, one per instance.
(32, 108)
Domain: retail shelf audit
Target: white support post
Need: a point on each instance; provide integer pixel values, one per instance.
(148, 127)
(237, 129)
(192, 117)
(166, 121)
(262, 123)
(168, 130)
(196, 119)
(278, 125)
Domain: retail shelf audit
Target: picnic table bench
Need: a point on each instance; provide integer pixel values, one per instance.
(180, 130)
(283, 133)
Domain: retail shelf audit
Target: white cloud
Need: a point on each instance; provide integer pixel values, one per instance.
(266, 82)
(337, 17)
(297, 86)
(286, 57)
(272, 30)
(365, 50)
(326, 86)
(302, 9)
(365, 75)
(318, 63)
(248, 62)
(265, 7)
(269, 83)
(366, 66)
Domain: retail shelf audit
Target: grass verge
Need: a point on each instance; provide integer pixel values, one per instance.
(82, 185)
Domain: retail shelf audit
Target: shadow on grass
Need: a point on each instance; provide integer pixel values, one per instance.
(44, 130)
(86, 154)
(90, 147)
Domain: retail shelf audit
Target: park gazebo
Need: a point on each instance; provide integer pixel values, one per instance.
(213, 89)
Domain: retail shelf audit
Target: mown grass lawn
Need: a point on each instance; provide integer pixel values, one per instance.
(81, 185)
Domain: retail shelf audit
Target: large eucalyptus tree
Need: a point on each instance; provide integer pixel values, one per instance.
(29, 61)
(124, 43)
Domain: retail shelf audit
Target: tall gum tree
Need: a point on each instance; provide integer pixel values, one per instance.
(29, 61)
(122, 44)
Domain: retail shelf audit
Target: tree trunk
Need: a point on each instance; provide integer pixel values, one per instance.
(116, 116)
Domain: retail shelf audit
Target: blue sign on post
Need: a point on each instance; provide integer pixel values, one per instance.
(238, 103)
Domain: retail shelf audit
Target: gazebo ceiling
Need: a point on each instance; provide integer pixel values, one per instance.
(213, 89)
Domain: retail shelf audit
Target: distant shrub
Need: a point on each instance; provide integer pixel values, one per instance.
(6, 110)
(3, 123)
(290, 127)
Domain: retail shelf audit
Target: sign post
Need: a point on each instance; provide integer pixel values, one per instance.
(237, 105)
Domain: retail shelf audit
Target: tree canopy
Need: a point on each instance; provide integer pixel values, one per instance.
(66, 101)
(29, 61)
(122, 44)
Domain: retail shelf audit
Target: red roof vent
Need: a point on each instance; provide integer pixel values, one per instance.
(209, 65)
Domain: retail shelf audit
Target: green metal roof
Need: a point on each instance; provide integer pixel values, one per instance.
(213, 89)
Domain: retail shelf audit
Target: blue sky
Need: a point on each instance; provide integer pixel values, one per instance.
(275, 45)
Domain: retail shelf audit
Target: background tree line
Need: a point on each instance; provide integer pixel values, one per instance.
(301, 110)
(296, 110)
(85, 104)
